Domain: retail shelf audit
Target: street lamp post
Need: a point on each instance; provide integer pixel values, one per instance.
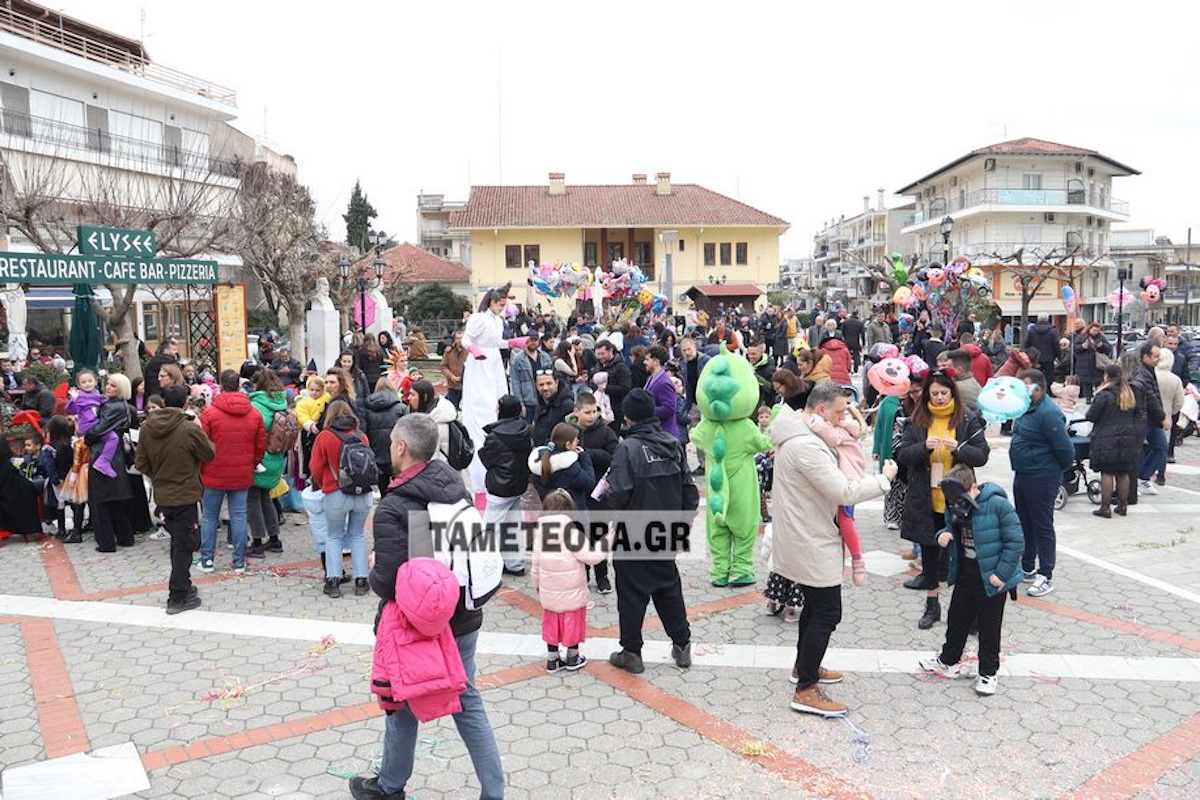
(946, 227)
(1122, 276)
(668, 239)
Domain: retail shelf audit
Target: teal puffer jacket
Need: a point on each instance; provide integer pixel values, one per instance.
(267, 403)
(999, 540)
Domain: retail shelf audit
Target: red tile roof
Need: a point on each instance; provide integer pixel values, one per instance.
(414, 265)
(1025, 147)
(619, 206)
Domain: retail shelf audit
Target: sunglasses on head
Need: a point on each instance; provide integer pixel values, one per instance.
(540, 372)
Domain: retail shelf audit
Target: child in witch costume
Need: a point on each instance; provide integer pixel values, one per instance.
(985, 542)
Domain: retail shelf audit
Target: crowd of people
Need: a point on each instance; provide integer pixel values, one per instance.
(570, 418)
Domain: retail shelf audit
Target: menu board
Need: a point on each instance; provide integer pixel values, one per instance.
(231, 326)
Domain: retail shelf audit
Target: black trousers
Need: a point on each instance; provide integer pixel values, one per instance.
(935, 561)
(139, 504)
(639, 582)
(261, 515)
(110, 523)
(819, 618)
(970, 601)
(183, 523)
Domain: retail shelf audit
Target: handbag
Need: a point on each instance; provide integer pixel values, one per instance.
(129, 450)
(1102, 360)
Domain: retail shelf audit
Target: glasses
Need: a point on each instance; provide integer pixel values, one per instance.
(540, 372)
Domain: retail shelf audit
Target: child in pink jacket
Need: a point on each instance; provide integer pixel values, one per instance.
(559, 557)
(844, 439)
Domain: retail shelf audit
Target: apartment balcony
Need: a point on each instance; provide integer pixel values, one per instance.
(51, 31)
(97, 145)
(985, 201)
(977, 249)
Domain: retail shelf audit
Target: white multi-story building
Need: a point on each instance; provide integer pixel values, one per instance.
(844, 248)
(1025, 194)
(90, 121)
(1147, 254)
(434, 232)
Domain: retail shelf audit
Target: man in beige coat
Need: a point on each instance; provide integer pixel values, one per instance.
(807, 548)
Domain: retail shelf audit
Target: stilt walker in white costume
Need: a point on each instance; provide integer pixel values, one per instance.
(484, 381)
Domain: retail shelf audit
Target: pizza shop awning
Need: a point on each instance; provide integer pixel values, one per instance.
(707, 295)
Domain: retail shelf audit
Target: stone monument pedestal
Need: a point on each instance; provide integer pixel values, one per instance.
(322, 324)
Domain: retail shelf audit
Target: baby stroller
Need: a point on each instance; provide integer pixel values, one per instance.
(1079, 430)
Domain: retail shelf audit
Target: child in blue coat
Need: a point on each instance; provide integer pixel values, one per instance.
(985, 565)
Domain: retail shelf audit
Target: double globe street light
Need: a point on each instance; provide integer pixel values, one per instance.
(377, 239)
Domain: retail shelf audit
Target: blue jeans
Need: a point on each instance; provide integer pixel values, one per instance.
(314, 507)
(210, 520)
(345, 523)
(400, 736)
(1154, 455)
(1033, 497)
(506, 511)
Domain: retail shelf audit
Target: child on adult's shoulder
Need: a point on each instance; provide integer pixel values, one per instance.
(558, 576)
(985, 543)
(1066, 394)
(844, 439)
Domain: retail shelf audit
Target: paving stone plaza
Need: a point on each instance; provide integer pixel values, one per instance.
(263, 691)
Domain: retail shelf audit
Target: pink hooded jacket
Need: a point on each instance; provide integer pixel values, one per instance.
(844, 440)
(558, 561)
(416, 658)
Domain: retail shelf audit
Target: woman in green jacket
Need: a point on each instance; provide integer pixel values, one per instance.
(267, 395)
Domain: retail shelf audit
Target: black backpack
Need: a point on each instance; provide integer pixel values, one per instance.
(357, 472)
(460, 449)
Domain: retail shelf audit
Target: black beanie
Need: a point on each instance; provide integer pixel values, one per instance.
(509, 407)
(638, 405)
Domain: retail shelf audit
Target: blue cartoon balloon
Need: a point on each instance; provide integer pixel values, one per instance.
(1003, 399)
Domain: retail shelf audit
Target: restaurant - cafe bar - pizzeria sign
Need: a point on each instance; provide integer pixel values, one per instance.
(39, 268)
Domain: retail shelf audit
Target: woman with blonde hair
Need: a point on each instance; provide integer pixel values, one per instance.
(1116, 439)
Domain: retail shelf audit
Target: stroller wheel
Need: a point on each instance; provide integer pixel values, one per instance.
(1093, 491)
(1060, 499)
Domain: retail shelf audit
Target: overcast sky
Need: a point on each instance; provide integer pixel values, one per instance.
(798, 109)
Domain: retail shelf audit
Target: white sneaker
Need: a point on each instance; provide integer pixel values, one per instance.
(1147, 487)
(934, 664)
(1041, 586)
(1028, 577)
(160, 534)
(986, 685)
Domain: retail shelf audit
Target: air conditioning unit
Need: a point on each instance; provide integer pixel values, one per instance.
(1048, 216)
(954, 181)
(989, 165)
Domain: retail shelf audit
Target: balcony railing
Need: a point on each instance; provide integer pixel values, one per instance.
(1024, 197)
(48, 32)
(99, 141)
(1008, 248)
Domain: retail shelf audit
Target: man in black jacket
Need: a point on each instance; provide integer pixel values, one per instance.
(419, 482)
(505, 455)
(287, 368)
(649, 473)
(852, 334)
(37, 397)
(620, 381)
(555, 402)
(167, 354)
(1158, 422)
(1044, 337)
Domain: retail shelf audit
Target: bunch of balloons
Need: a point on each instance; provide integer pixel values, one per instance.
(944, 291)
(556, 278)
(1069, 300)
(1120, 298)
(624, 281)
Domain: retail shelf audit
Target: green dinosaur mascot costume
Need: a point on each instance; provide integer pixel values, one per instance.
(728, 396)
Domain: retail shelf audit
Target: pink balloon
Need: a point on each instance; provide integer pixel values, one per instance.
(917, 367)
(890, 377)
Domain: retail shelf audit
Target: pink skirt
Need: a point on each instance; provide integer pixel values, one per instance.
(567, 628)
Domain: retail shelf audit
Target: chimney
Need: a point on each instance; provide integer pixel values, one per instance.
(866, 204)
(639, 178)
(558, 183)
(880, 198)
(664, 183)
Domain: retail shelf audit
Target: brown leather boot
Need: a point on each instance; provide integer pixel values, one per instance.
(813, 701)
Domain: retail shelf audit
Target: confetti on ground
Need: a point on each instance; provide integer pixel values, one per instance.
(1040, 678)
(322, 647)
(860, 742)
(753, 748)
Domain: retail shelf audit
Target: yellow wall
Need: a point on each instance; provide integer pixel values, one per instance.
(688, 269)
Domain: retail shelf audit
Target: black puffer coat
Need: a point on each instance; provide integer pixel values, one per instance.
(1085, 357)
(380, 412)
(505, 453)
(113, 416)
(917, 523)
(1116, 435)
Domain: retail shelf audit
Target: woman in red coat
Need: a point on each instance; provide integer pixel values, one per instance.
(839, 354)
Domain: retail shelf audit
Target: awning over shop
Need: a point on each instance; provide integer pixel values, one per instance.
(60, 296)
(707, 296)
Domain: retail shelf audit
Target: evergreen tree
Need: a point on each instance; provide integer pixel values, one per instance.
(358, 218)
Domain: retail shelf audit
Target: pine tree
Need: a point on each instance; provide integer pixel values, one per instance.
(358, 218)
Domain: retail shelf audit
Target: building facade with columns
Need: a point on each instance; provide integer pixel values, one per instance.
(719, 241)
(1045, 199)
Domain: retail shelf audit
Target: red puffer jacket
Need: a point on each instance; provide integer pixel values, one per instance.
(238, 436)
(839, 354)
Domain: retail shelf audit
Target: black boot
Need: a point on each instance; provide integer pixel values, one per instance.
(333, 587)
(361, 587)
(933, 613)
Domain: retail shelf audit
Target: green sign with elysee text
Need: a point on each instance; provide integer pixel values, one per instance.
(41, 268)
(98, 241)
